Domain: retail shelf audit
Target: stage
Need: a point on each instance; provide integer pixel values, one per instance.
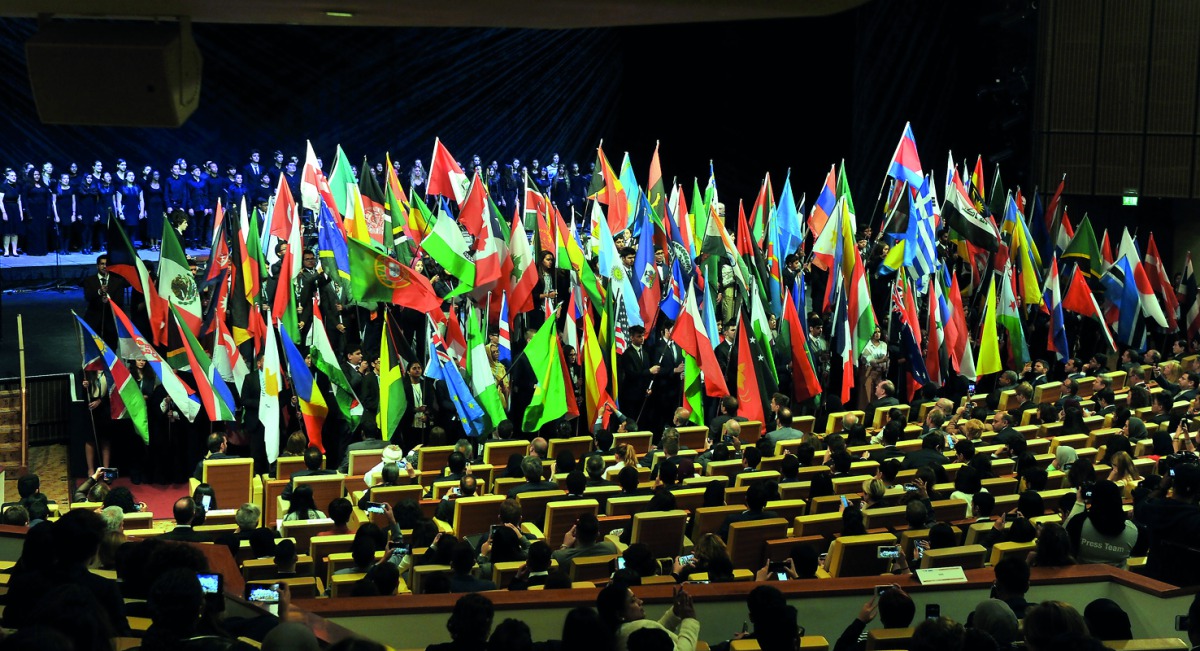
(31, 273)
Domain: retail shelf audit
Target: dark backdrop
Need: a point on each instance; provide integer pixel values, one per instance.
(753, 97)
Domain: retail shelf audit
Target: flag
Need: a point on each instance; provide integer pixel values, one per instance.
(446, 178)
(549, 400)
(606, 188)
(749, 390)
(132, 345)
(1008, 314)
(645, 274)
(214, 394)
(673, 301)
(935, 336)
(906, 165)
(392, 401)
(377, 219)
(283, 304)
(1160, 282)
(823, 206)
(691, 334)
(504, 353)
(595, 372)
(446, 245)
(1057, 336)
(269, 390)
(788, 221)
(176, 284)
(227, 358)
(331, 244)
(961, 215)
(125, 396)
(1150, 304)
(805, 384)
(910, 333)
(654, 184)
(524, 270)
(989, 342)
(125, 262)
(326, 361)
(470, 413)
(312, 404)
(1080, 300)
(479, 368)
(1084, 251)
(1106, 253)
(377, 278)
(342, 184)
(1121, 291)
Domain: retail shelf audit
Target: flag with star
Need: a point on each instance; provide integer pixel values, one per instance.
(751, 373)
(470, 412)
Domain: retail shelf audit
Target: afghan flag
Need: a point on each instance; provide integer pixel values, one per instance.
(126, 397)
(373, 202)
(377, 278)
(550, 394)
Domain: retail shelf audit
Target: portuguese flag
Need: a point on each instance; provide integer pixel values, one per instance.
(374, 277)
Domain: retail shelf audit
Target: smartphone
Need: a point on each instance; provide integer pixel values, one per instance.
(686, 558)
(108, 474)
(971, 389)
(880, 589)
(950, 441)
(375, 507)
(1181, 622)
(779, 570)
(266, 594)
(745, 626)
(1011, 517)
(910, 488)
(1172, 472)
(454, 490)
(211, 583)
(1087, 489)
(845, 502)
(206, 502)
(888, 552)
(920, 552)
(933, 611)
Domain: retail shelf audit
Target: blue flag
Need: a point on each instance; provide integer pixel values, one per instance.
(470, 412)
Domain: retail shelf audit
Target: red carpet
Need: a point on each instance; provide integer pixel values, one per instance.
(159, 498)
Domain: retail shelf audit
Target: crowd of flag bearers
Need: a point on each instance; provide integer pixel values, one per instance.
(649, 299)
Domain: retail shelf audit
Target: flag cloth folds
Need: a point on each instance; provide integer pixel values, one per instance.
(470, 413)
(132, 345)
(446, 178)
(822, 208)
(749, 389)
(377, 278)
(125, 397)
(125, 262)
(269, 390)
(1056, 339)
(1008, 314)
(549, 395)
(1145, 289)
(596, 396)
(446, 245)
(906, 165)
(1156, 273)
(214, 393)
(910, 333)
(606, 188)
(989, 343)
(961, 215)
(479, 368)
(392, 401)
(326, 362)
(176, 284)
(805, 384)
(1084, 251)
(342, 184)
(312, 404)
(692, 337)
(1080, 300)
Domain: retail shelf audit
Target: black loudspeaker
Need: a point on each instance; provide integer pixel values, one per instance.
(114, 74)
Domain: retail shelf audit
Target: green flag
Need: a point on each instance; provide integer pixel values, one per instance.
(446, 244)
(550, 395)
(479, 368)
(1084, 251)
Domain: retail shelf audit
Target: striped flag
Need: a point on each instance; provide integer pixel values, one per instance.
(312, 404)
(505, 352)
(132, 345)
(125, 397)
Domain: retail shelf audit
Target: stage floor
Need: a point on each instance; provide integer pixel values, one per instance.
(42, 272)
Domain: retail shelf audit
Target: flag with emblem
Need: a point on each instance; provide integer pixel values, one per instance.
(446, 178)
(176, 285)
(214, 393)
(326, 362)
(392, 402)
(377, 278)
(132, 345)
(749, 389)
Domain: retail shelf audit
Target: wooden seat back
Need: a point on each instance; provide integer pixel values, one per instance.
(363, 460)
(475, 515)
(858, 555)
(969, 557)
(661, 531)
(325, 488)
(561, 515)
(576, 445)
(710, 518)
(286, 466)
(303, 531)
(231, 479)
(435, 457)
(626, 505)
(747, 541)
(693, 437)
(498, 452)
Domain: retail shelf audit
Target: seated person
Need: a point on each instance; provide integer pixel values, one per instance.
(462, 562)
(757, 497)
(91, 490)
(340, 511)
(185, 512)
(313, 460)
(302, 507)
(894, 608)
(531, 469)
(583, 540)
(456, 469)
(536, 569)
(445, 509)
(217, 445)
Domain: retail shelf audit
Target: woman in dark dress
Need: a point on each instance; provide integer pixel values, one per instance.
(86, 196)
(106, 205)
(64, 212)
(156, 209)
(131, 209)
(11, 215)
(39, 218)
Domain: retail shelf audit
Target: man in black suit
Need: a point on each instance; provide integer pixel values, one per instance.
(445, 510)
(1002, 424)
(1184, 390)
(595, 467)
(1073, 368)
(728, 411)
(1024, 395)
(462, 561)
(636, 367)
(217, 444)
(1005, 382)
(98, 290)
(531, 468)
(253, 170)
(892, 431)
(312, 468)
(756, 500)
(185, 513)
(1106, 402)
(1160, 409)
(667, 391)
(930, 453)
(885, 396)
(1036, 374)
(724, 353)
(456, 467)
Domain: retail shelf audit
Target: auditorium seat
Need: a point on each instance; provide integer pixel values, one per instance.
(727, 468)
(421, 573)
(751, 431)
(693, 437)
(967, 556)
(363, 460)
(661, 531)
(303, 531)
(578, 446)
(640, 441)
(561, 515)
(881, 415)
(627, 505)
(285, 467)
(858, 555)
(807, 643)
(710, 518)
(476, 514)
(232, 479)
(435, 457)
(754, 477)
(1148, 644)
(879, 639)
(747, 541)
(498, 452)
(263, 569)
(1003, 550)
(591, 568)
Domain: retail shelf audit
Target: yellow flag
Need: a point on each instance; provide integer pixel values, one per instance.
(989, 345)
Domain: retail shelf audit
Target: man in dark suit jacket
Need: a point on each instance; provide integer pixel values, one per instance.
(185, 513)
(462, 561)
(892, 431)
(312, 468)
(885, 396)
(1002, 424)
(930, 453)
(1006, 381)
(98, 290)
(756, 500)
(531, 468)
(637, 367)
(254, 170)
(217, 444)
(724, 353)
